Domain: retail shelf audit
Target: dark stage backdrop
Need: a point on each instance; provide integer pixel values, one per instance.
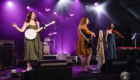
(126, 32)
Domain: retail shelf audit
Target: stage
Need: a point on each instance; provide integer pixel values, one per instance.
(77, 74)
(58, 43)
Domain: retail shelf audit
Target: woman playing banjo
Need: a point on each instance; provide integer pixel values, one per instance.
(32, 48)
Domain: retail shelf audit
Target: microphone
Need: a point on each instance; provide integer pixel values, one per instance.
(90, 23)
(36, 17)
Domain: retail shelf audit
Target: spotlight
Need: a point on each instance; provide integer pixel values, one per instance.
(71, 14)
(9, 3)
(27, 7)
(95, 3)
(86, 6)
(54, 12)
(99, 8)
(47, 9)
(39, 12)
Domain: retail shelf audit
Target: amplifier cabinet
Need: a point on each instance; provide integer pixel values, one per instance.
(7, 53)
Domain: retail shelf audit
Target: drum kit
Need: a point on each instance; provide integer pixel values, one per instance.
(47, 41)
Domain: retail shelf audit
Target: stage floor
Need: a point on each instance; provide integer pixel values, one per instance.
(5, 74)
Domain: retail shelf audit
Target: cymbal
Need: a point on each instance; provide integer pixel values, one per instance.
(50, 34)
(54, 32)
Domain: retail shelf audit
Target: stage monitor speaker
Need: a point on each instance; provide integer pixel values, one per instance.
(48, 74)
(65, 57)
(133, 65)
(138, 62)
(44, 64)
(114, 66)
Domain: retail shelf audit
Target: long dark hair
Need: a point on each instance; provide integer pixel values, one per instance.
(109, 27)
(29, 17)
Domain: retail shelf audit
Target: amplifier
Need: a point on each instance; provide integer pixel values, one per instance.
(6, 43)
(7, 53)
(46, 47)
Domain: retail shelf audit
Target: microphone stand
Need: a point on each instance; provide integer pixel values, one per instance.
(62, 39)
(43, 35)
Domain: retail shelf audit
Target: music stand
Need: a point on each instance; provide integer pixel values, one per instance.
(134, 37)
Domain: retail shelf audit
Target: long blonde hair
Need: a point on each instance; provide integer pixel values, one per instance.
(82, 22)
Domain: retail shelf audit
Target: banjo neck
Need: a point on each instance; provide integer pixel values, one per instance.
(45, 26)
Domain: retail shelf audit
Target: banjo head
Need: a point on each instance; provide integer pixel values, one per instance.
(30, 34)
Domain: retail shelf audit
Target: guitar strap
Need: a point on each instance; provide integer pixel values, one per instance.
(84, 35)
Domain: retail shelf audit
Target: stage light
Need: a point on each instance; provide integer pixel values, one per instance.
(39, 12)
(63, 4)
(47, 9)
(13, 71)
(63, 0)
(27, 7)
(10, 3)
(86, 6)
(54, 12)
(99, 8)
(96, 4)
(71, 14)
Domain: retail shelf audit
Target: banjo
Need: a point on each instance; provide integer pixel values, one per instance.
(31, 33)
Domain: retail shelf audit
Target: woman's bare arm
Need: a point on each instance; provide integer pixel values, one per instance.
(106, 35)
(22, 29)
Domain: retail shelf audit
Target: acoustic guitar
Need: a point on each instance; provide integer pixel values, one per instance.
(89, 40)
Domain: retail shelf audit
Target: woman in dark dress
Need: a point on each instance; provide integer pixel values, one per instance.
(110, 42)
(32, 48)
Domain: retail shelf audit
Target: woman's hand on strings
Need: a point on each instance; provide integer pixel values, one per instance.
(93, 35)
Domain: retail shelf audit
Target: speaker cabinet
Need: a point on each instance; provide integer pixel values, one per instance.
(7, 56)
(114, 66)
(7, 53)
(138, 62)
(46, 47)
(44, 64)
